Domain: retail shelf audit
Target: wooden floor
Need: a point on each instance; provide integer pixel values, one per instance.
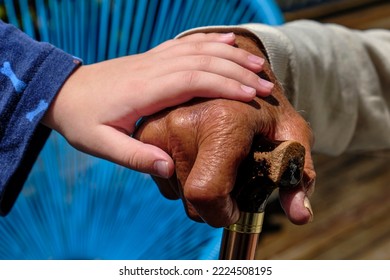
(351, 208)
(351, 203)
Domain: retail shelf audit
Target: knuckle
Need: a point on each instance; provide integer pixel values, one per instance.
(203, 195)
(198, 46)
(197, 195)
(131, 160)
(205, 61)
(225, 112)
(191, 78)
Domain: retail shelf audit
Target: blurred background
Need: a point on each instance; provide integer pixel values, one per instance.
(351, 203)
(77, 207)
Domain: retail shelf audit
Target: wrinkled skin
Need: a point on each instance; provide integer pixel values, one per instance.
(208, 139)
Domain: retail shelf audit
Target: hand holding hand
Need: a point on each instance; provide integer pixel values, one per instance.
(208, 139)
(98, 106)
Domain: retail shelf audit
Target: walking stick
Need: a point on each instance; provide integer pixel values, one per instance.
(270, 165)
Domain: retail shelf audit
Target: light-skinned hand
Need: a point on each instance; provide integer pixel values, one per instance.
(208, 139)
(98, 106)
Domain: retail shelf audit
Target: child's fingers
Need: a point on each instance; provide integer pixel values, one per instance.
(227, 38)
(215, 65)
(180, 87)
(212, 44)
(214, 49)
(116, 146)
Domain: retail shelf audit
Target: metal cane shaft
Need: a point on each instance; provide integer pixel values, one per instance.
(239, 241)
(269, 165)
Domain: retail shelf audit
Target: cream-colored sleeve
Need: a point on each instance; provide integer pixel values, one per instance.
(337, 78)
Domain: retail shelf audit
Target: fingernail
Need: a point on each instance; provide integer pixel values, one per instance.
(306, 203)
(161, 166)
(266, 84)
(248, 90)
(227, 35)
(256, 59)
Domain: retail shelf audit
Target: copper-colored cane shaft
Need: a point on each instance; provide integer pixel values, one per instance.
(238, 246)
(270, 165)
(239, 241)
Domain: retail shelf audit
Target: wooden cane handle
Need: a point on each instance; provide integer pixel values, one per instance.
(270, 165)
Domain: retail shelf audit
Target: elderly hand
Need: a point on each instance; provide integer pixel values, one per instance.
(98, 106)
(208, 139)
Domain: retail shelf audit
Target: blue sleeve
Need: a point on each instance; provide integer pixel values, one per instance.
(31, 74)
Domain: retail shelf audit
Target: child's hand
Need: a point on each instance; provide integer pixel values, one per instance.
(98, 106)
(208, 141)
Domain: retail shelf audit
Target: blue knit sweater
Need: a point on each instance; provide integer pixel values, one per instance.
(31, 73)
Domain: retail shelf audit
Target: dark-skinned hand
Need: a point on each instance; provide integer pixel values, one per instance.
(208, 139)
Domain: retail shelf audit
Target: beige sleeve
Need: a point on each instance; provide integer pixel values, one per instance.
(337, 78)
